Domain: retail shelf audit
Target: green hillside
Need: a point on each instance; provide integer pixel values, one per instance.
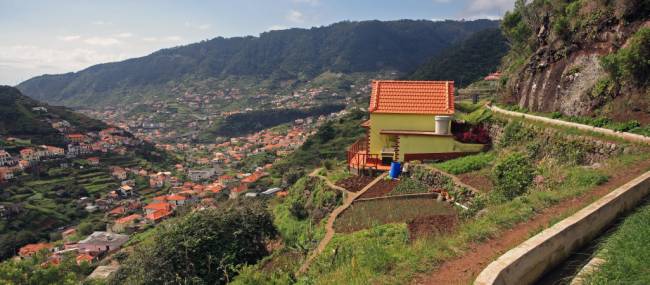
(466, 61)
(301, 54)
(19, 119)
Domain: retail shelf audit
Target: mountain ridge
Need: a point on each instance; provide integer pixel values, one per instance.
(293, 54)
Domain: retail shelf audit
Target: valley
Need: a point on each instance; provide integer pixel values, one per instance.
(358, 152)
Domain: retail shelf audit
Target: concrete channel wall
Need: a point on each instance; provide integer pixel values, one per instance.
(527, 262)
(623, 135)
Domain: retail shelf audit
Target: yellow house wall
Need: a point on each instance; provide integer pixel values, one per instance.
(405, 122)
(410, 143)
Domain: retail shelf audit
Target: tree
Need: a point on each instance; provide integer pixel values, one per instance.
(204, 247)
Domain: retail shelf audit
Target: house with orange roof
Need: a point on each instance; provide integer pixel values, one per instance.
(84, 257)
(123, 224)
(160, 199)
(409, 120)
(176, 200)
(121, 210)
(31, 249)
(76, 138)
(158, 215)
(153, 207)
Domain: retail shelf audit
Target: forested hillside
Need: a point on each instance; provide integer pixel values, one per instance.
(277, 55)
(19, 119)
(467, 61)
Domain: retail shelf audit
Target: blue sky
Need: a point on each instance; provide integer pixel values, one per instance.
(57, 36)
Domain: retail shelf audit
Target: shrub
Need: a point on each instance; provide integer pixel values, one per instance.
(624, 126)
(514, 132)
(467, 163)
(631, 63)
(603, 88)
(512, 175)
(409, 186)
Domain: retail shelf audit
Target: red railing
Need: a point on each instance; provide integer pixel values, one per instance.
(358, 156)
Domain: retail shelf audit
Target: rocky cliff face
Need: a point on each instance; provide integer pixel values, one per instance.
(560, 58)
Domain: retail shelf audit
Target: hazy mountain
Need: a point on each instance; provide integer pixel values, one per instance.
(277, 55)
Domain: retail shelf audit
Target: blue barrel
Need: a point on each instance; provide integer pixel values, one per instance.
(395, 169)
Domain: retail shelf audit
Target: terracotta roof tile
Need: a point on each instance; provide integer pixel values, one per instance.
(412, 97)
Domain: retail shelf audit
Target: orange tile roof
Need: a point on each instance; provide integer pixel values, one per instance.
(84, 257)
(412, 97)
(30, 249)
(158, 206)
(175, 197)
(117, 211)
(128, 219)
(157, 215)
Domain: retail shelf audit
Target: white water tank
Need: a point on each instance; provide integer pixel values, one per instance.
(442, 125)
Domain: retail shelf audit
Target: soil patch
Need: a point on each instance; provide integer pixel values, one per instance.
(465, 268)
(355, 183)
(478, 180)
(380, 189)
(431, 225)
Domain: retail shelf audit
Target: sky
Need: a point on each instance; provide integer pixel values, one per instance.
(58, 36)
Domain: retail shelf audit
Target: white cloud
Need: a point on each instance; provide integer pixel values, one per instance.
(276, 28)
(296, 16)
(124, 35)
(69, 38)
(61, 59)
(492, 9)
(102, 41)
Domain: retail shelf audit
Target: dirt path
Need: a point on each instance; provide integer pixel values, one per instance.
(465, 268)
(329, 227)
(328, 182)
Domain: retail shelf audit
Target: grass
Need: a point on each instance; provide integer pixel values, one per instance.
(362, 215)
(626, 252)
(467, 163)
(401, 261)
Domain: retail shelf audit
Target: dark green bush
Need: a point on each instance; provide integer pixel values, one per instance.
(514, 132)
(512, 175)
(631, 63)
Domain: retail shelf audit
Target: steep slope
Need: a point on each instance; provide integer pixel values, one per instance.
(579, 57)
(277, 55)
(466, 61)
(18, 118)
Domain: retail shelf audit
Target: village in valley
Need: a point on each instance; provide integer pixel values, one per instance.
(208, 174)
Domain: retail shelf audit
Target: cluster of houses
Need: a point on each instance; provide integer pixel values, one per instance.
(110, 139)
(91, 249)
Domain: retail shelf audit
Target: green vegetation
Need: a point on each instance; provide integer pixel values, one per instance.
(467, 163)
(512, 175)
(203, 247)
(276, 56)
(626, 252)
(250, 122)
(631, 63)
(18, 119)
(31, 271)
(466, 61)
(409, 185)
(330, 142)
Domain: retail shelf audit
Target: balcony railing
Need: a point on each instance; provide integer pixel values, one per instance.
(358, 156)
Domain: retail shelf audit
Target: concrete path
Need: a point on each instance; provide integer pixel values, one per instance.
(623, 135)
(329, 227)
